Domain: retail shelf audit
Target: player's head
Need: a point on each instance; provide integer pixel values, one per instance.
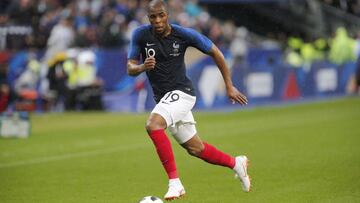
(158, 16)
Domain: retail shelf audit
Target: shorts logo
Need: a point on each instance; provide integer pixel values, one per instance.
(149, 44)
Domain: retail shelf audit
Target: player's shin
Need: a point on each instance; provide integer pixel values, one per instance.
(164, 151)
(214, 156)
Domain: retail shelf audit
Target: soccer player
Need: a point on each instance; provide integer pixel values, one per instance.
(161, 48)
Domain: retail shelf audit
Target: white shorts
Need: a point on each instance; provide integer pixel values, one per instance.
(175, 107)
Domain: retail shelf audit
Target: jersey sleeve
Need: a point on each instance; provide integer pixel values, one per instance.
(199, 40)
(134, 46)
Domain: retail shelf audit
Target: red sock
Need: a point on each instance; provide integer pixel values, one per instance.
(214, 156)
(164, 151)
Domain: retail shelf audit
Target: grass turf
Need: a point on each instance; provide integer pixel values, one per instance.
(299, 153)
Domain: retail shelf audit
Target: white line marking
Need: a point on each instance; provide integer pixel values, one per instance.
(69, 156)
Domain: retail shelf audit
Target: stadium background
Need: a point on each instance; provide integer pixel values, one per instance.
(71, 55)
(297, 61)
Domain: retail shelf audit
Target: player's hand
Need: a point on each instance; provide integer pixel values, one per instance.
(149, 63)
(236, 96)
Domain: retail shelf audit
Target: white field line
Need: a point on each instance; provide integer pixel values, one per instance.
(70, 156)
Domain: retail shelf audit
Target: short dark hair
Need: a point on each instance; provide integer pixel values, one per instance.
(154, 3)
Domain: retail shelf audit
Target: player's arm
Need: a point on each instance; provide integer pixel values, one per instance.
(233, 93)
(134, 68)
(205, 45)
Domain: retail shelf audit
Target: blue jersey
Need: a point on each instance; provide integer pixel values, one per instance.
(169, 73)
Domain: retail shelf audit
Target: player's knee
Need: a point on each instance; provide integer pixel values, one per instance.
(195, 150)
(151, 126)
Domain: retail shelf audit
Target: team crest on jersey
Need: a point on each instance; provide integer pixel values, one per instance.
(176, 49)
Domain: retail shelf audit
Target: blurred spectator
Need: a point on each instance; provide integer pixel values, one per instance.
(270, 42)
(357, 53)
(70, 66)
(355, 7)
(322, 47)
(85, 88)
(349, 6)
(3, 34)
(110, 34)
(57, 77)
(176, 8)
(216, 33)
(13, 36)
(61, 37)
(228, 28)
(89, 85)
(4, 88)
(69, 77)
(293, 56)
(26, 85)
(239, 46)
(357, 45)
(29, 78)
(342, 47)
(57, 25)
(22, 12)
(192, 9)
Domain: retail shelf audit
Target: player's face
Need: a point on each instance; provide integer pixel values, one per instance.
(158, 18)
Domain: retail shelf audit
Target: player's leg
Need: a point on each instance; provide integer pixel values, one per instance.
(185, 133)
(155, 126)
(172, 108)
(205, 151)
(211, 154)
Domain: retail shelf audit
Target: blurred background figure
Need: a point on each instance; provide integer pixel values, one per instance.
(26, 85)
(342, 47)
(4, 88)
(303, 36)
(29, 78)
(239, 45)
(357, 53)
(57, 77)
(61, 37)
(88, 85)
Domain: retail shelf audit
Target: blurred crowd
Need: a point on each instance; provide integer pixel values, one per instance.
(350, 6)
(67, 31)
(55, 24)
(339, 49)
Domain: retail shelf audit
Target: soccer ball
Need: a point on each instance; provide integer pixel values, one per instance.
(151, 199)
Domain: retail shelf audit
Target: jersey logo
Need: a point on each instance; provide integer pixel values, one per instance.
(149, 44)
(176, 49)
(176, 46)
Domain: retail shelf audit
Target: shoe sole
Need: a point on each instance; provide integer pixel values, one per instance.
(174, 198)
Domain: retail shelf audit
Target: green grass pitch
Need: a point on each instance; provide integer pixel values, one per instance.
(299, 153)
